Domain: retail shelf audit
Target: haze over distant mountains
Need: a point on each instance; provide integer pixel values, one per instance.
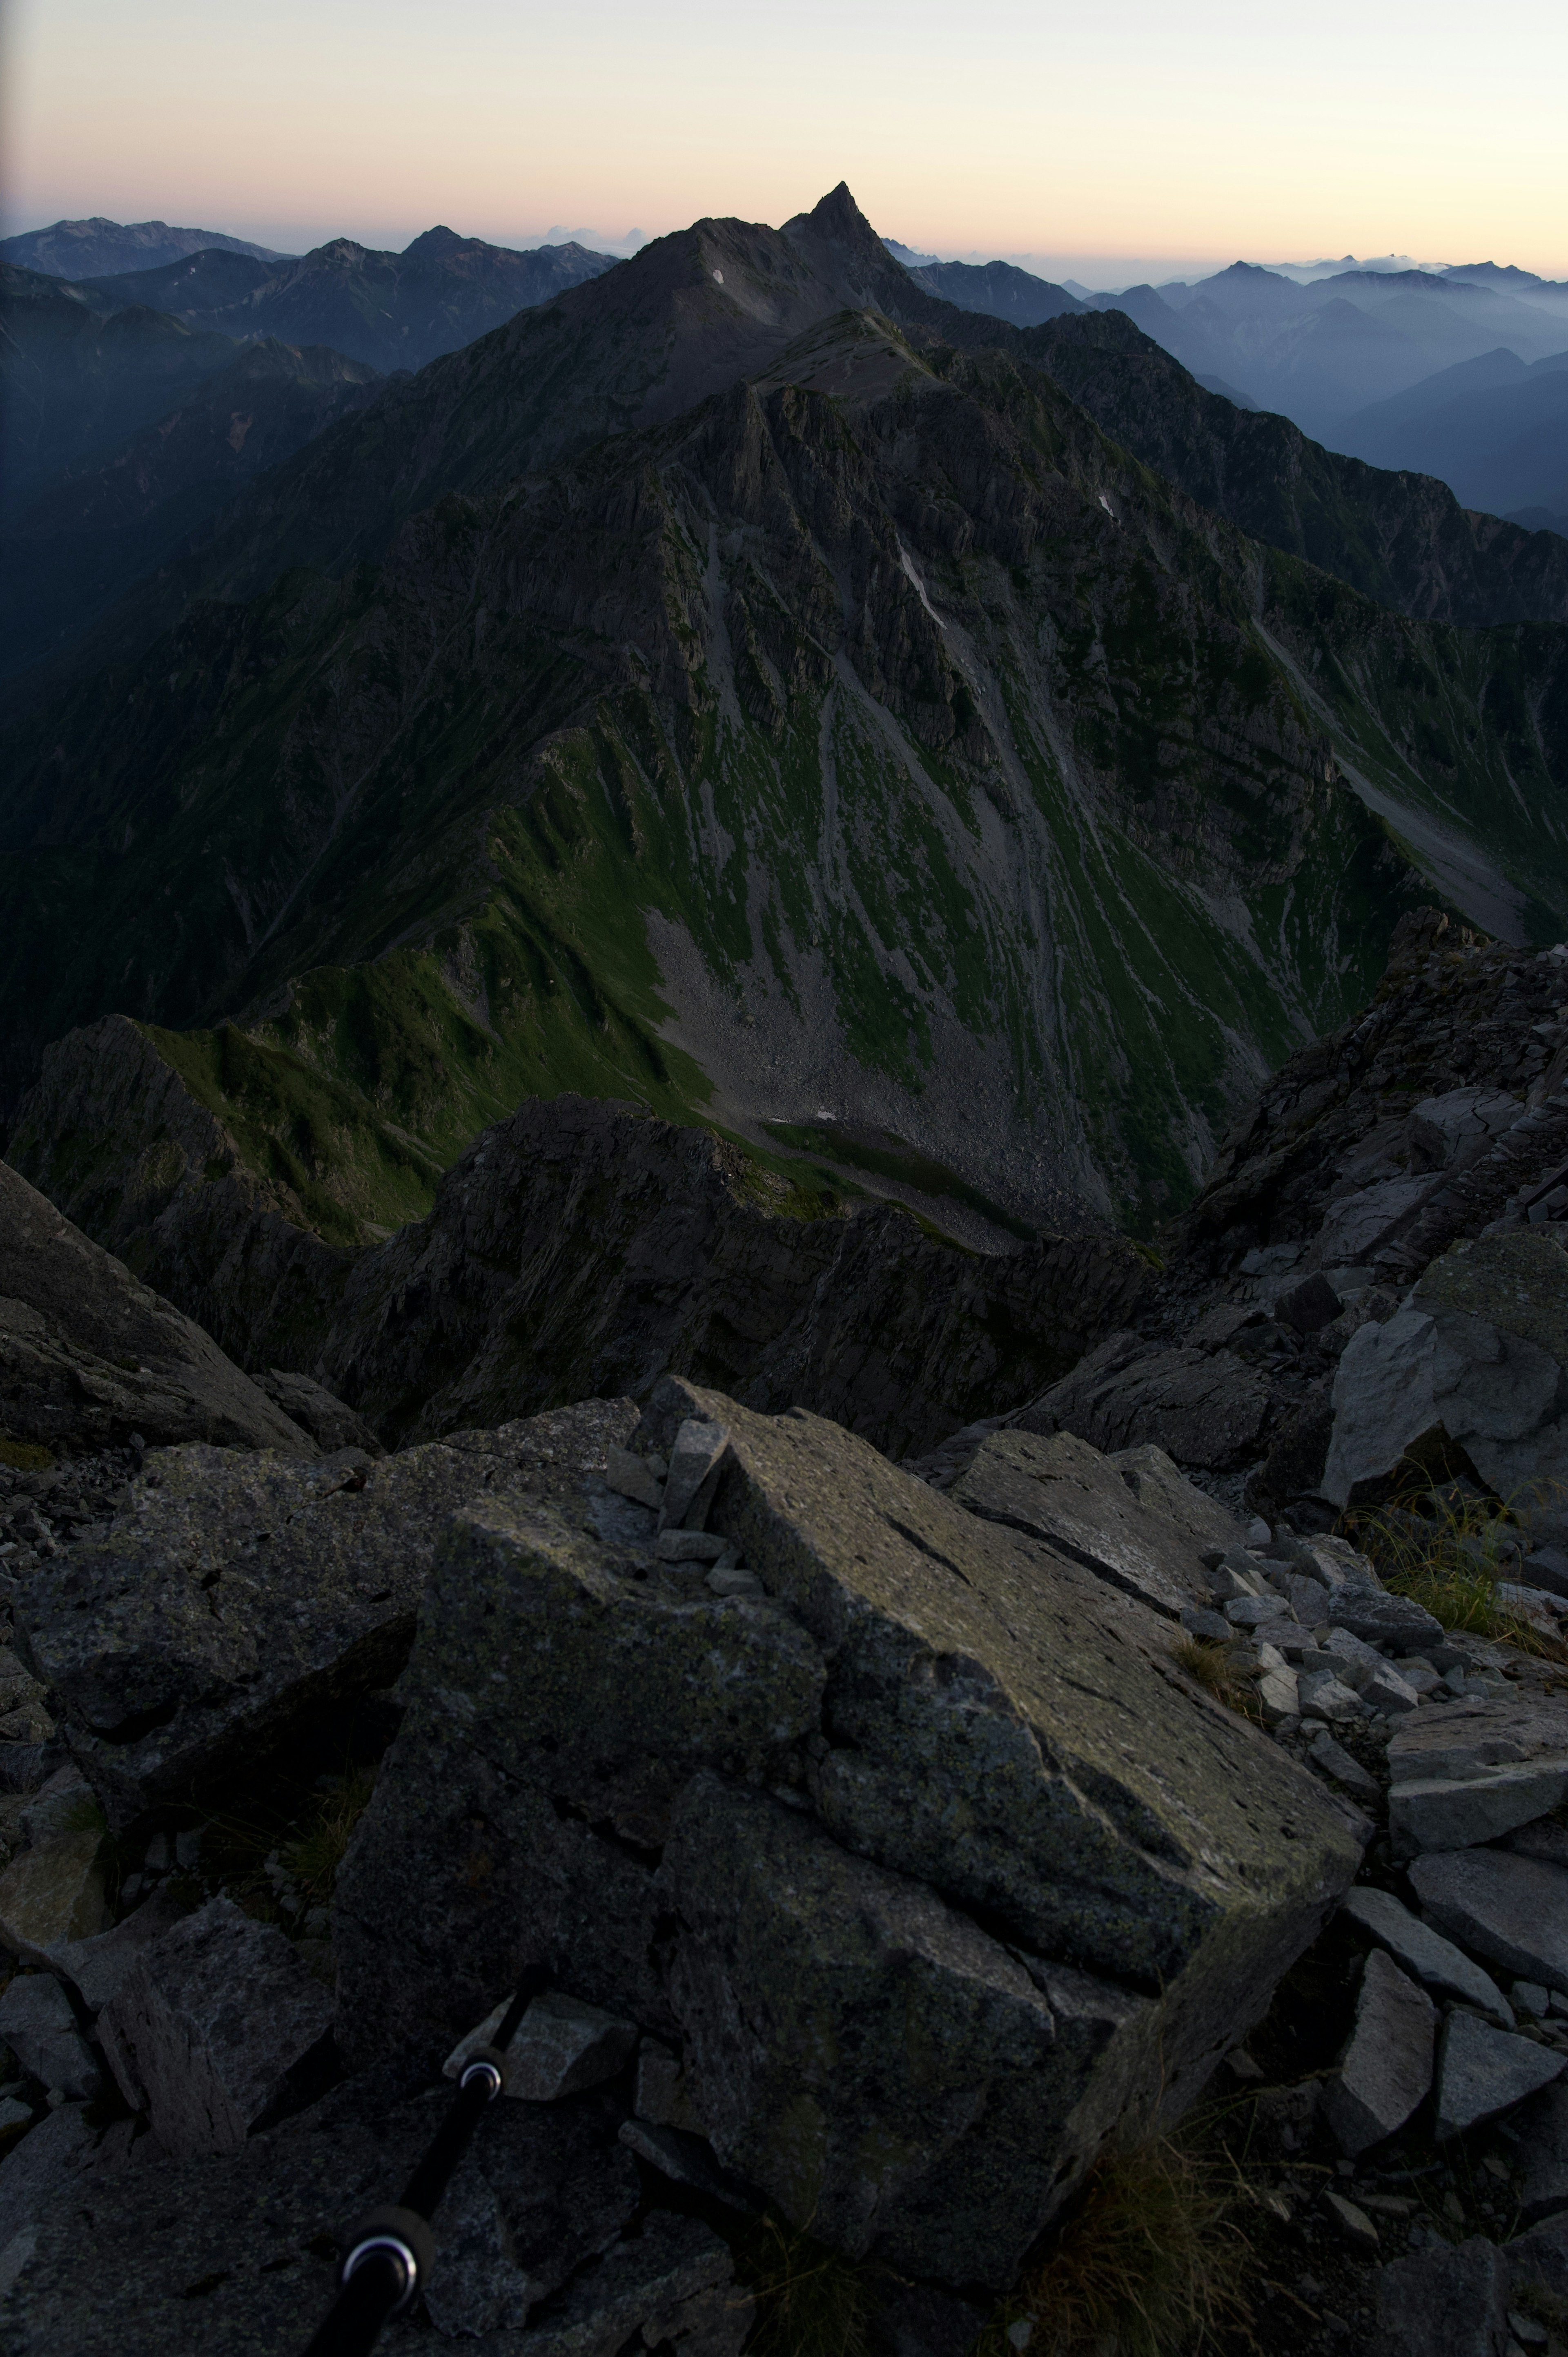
(82, 249)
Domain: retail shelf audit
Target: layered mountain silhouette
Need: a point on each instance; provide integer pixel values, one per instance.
(390, 310)
(751, 684)
(1495, 429)
(87, 249)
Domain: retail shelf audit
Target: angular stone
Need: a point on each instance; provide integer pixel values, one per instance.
(1483, 2073)
(690, 1546)
(1382, 1401)
(217, 2027)
(95, 1967)
(1438, 1814)
(1202, 1410)
(331, 1424)
(633, 1477)
(694, 1455)
(589, 1754)
(672, 2289)
(1434, 1960)
(1064, 1491)
(687, 2158)
(561, 2046)
(1448, 2300)
(39, 2025)
(1210, 1625)
(1256, 1612)
(238, 1595)
(65, 1805)
(534, 2198)
(1307, 1598)
(1336, 1761)
(1354, 2225)
(53, 1893)
(1511, 1910)
(1385, 2069)
(88, 1355)
(1324, 1697)
(1278, 1696)
(1370, 1611)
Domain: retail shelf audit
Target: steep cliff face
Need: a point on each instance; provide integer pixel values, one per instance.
(878, 741)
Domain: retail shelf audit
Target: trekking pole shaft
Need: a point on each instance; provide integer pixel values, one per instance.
(351, 2324)
(425, 2189)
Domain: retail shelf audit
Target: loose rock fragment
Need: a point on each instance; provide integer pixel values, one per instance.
(1513, 1910)
(218, 2028)
(1385, 2069)
(693, 1463)
(53, 1893)
(1425, 1952)
(1483, 2073)
(561, 2046)
(1352, 2221)
(632, 1476)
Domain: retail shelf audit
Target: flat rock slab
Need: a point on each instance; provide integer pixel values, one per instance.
(217, 2027)
(1468, 1772)
(240, 1594)
(1426, 1952)
(794, 1810)
(1064, 1491)
(89, 1354)
(95, 1967)
(1512, 1910)
(236, 2253)
(1541, 2129)
(1483, 2073)
(1385, 2069)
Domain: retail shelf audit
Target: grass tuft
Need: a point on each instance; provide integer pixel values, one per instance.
(1214, 1667)
(1150, 2262)
(25, 1456)
(313, 1857)
(810, 2301)
(1444, 1550)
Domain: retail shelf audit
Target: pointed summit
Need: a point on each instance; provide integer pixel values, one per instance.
(843, 249)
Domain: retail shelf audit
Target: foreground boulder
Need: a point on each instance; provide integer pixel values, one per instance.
(88, 1355)
(239, 1598)
(899, 1825)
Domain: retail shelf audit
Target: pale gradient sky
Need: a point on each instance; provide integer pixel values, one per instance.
(1189, 134)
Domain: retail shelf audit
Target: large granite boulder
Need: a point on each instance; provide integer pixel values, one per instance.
(88, 1355)
(905, 1830)
(1479, 1354)
(241, 1596)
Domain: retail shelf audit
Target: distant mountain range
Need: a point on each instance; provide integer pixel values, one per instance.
(89, 249)
(749, 683)
(1495, 429)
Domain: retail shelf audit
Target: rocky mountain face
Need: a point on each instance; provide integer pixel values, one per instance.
(386, 310)
(997, 288)
(1401, 539)
(109, 518)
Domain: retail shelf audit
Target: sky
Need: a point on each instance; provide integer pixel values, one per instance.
(1162, 140)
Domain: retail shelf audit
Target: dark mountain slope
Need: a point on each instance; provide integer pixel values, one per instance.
(73, 379)
(1401, 539)
(876, 738)
(390, 310)
(997, 288)
(81, 544)
(82, 249)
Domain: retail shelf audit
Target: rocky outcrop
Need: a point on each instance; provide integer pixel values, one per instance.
(581, 1249)
(238, 1599)
(88, 1356)
(909, 1782)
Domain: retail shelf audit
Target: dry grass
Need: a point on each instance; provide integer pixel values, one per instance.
(1214, 1667)
(810, 2301)
(313, 1857)
(1450, 1562)
(25, 1456)
(1151, 2262)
